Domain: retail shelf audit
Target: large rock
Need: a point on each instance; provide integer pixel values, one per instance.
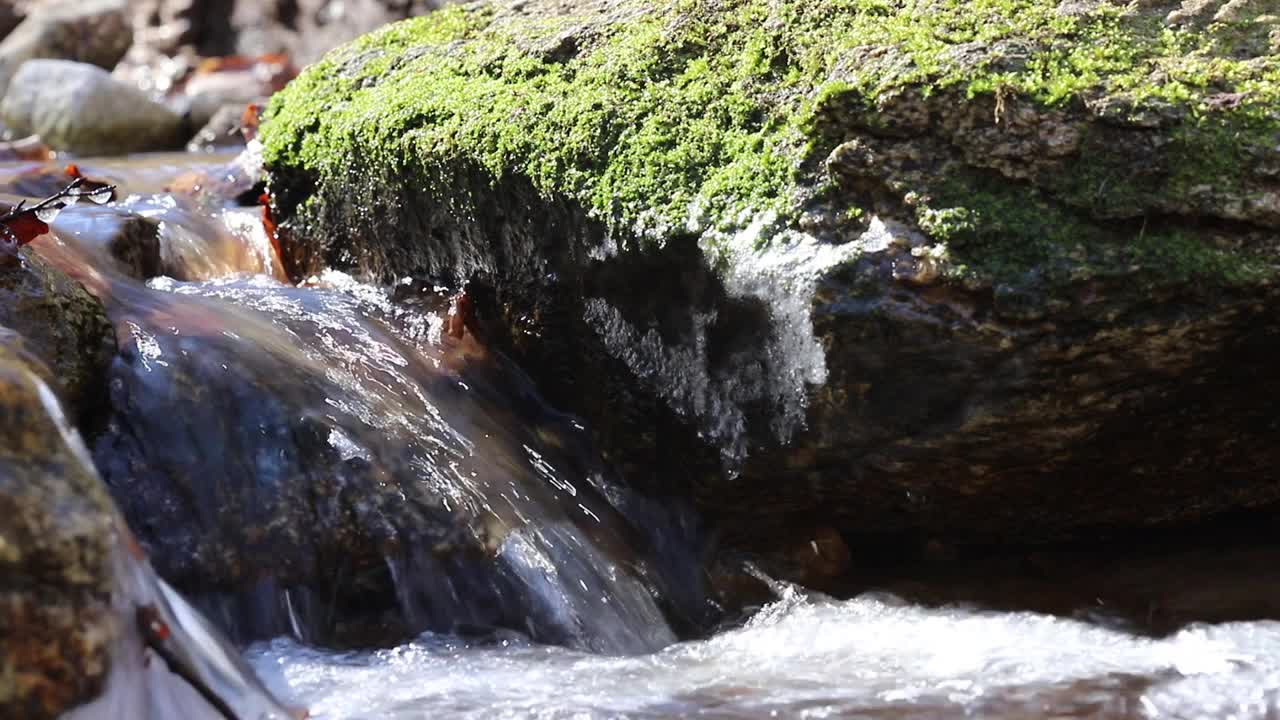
(56, 536)
(89, 31)
(73, 585)
(81, 108)
(983, 272)
(62, 325)
(321, 463)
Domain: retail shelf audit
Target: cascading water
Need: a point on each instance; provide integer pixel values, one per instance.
(319, 450)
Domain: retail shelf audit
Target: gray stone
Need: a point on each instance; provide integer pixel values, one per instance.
(223, 130)
(97, 32)
(81, 108)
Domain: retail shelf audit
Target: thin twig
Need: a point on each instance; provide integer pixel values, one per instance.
(70, 191)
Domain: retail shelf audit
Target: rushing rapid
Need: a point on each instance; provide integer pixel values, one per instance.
(810, 657)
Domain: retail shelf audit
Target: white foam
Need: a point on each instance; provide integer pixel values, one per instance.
(803, 657)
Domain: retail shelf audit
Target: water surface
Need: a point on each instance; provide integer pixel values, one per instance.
(810, 657)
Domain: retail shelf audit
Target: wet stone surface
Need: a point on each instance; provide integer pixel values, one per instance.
(62, 325)
(376, 472)
(56, 534)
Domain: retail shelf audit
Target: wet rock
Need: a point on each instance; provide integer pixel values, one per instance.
(63, 325)
(74, 584)
(96, 32)
(224, 130)
(27, 148)
(115, 239)
(892, 307)
(82, 109)
(412, 484)
(56, 538)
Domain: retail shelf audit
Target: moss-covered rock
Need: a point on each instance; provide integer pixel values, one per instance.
(903, 265)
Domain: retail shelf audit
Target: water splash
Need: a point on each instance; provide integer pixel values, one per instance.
(806, 657)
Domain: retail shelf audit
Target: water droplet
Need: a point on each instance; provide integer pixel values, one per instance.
(48, 214)
(71, 200)
(101, 196)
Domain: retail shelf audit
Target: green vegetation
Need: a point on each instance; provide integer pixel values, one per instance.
(712, 103)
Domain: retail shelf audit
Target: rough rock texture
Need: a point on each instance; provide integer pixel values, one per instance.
(64, 327)
(976, 270)
(56, 535)
(90, 31)
(72, 581)
(81, 108)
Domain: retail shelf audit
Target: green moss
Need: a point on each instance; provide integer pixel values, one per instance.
(1005, 233)
(710, 103)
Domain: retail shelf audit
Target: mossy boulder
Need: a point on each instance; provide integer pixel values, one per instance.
(977, 269)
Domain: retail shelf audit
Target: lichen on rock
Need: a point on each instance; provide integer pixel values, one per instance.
(56, 538)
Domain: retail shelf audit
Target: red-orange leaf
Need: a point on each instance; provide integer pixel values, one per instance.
(26, 227)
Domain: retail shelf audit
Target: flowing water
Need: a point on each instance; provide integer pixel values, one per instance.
(342, 464)
(802, 657)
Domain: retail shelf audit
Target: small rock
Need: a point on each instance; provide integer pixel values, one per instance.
(89, 31)
(115, 238)
(1236, 11)
(241, 81)
(223, 130)
(81, 108)
(10, 15)
(1190, 11)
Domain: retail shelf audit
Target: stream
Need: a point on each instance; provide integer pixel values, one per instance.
(341, 425)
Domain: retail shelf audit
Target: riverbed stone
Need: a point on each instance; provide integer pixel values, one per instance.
(303, 29)
(792, 262)
(97, 32)
(57, 532)
(62, 325)
(80, 108)
(11, 14)
(225, 129)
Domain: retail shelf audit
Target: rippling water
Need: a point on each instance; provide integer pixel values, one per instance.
(807, 657)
